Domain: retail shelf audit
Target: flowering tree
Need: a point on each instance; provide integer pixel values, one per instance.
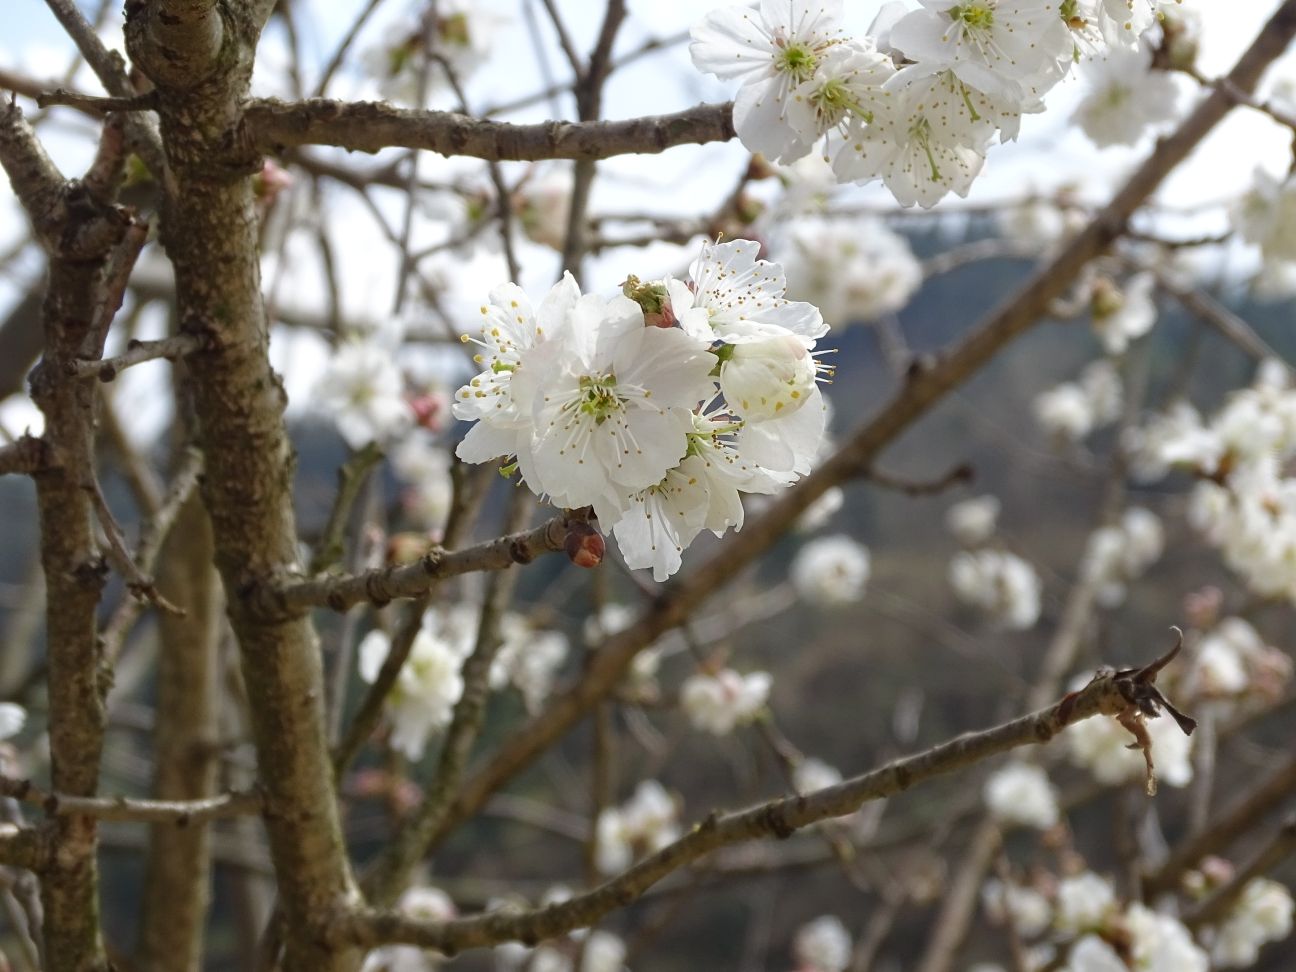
(340, 701)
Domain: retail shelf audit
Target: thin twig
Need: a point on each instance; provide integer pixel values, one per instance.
(776, 818)
(131, 809)
(386, 584)
(137, 352)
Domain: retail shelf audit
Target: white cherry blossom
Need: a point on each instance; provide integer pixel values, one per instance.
(717, 703)
(1262, 914)
(1020, 793)
(774, 51)
(612, 403)
(922, 143)
(823, 945)
(736, 297)
(1011, 49)
(831, 571)
(973, 521)
(362, 389)
(429, 685)
(1085, 902)
(1000, 584)
(510, 328)
(1126, 98)
(852, 270)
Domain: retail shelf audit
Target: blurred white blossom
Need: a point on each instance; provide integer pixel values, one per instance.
(973, 521)
(718, 702)
(822, 945)
(1020, 793)
(831, 571)
(1000, 584)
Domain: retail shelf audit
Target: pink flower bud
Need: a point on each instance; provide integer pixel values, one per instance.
(585, 546)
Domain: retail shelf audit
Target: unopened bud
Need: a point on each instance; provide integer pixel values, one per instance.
(429, 410)
(584, 544)
(653, 298)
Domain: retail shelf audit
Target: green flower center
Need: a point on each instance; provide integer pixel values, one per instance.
(977, 16)
(799, 61)
(598, 397)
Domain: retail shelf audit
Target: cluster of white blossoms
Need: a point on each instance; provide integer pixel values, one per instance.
(822, 945)
(1244, 502)
(831, 571)
(999, 584)
(719, 702)
(647, 822)
(1078, 924)
(1020, 794)
(852, 270)
(996, 582)
(658, 407)
(1118, 554)
(430, 682)
(1073, 410)
(918, 100)
(1262, 914)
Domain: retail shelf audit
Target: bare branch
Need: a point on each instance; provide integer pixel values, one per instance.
(271, 125)
(107, 65)
(130, 809)
(25, 456)
(777, 818)
(36, 181)
(137, 352)
(383, 585)
(401, 856)
(94, 104)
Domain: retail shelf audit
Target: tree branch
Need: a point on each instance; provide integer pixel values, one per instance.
(270, 125)
(25, 456)
(777, 818)
(130, 809)
(137, 352)
(385, 584)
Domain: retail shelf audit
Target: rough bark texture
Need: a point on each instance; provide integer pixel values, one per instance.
(178, 872)
(209, 229)
(79, 232)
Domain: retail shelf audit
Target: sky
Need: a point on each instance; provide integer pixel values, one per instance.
(683, 181)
